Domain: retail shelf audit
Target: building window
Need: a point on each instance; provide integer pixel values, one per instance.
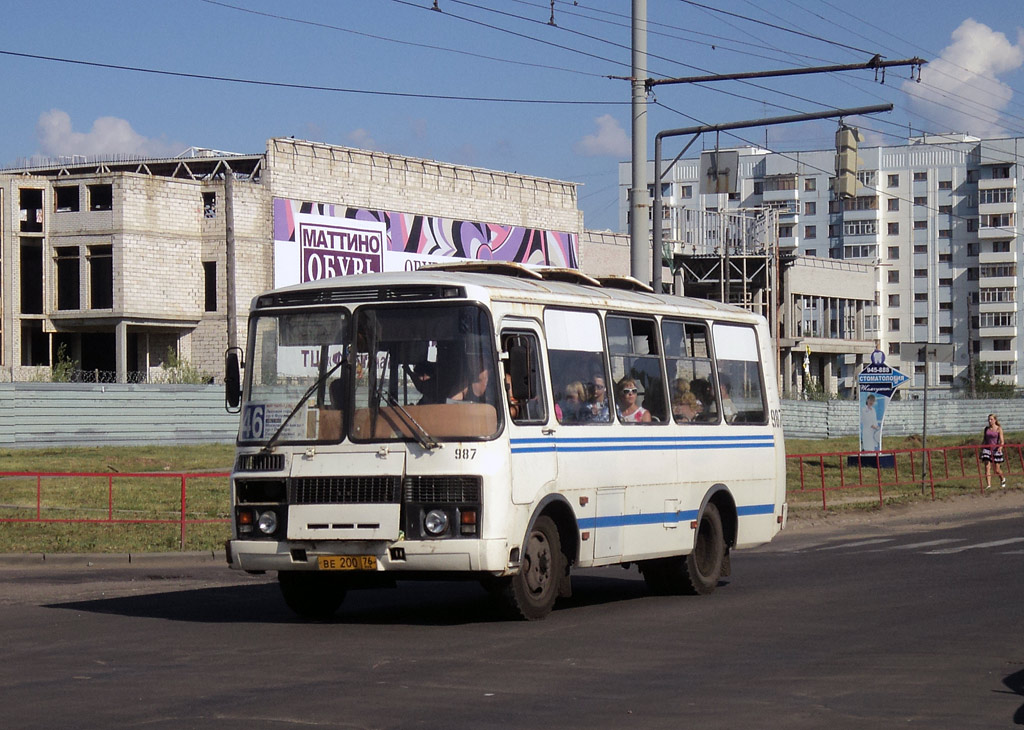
(894, 300)
(1002, 367)
(810, 183)
(758, 187)
(920, 321)
(859, 228)
(945, 184)
(210, 285)
(921, 296)
(31, 275)
(1000, 247)
(811, 252)
(945, 233)
(894, 348)
(101, 277)
(972, 176)
(972, 249)
(972, 225)
(894, 181)
(686, 191)
(893, 204)
(893, 229)
(920, 176)
(1001, 344)
(810, 208)
(786, 231)
(1001, 172)
(945, 306)
(894, 277)
(31, 210)
(210, 205)
(68, 279)
(34, 343)
(894, 253)
(920, 225)
(945, 258)
(66, 198)
(894, 324)
(999, 195)
(920, 248)
(919, 273)
(101, 197)
(810, 231)
(946, 209)
(920, 200)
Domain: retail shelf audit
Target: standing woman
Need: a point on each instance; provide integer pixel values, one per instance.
(992, 450)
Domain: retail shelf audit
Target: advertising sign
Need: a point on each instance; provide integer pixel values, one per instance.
(877, 383)
(314, 241)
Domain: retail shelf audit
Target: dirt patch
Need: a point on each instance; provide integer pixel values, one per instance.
(992, 504)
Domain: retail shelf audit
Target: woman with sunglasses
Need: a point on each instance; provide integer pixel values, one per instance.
(629, 410)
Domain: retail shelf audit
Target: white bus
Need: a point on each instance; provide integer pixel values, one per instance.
(500, 423)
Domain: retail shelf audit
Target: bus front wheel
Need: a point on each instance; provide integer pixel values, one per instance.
(531, 594)
(311, 595)
(699, 571)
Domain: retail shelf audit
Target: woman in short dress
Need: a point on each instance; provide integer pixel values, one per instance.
(992, 450)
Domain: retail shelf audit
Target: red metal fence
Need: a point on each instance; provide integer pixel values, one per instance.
(80, 497)
(949, 469)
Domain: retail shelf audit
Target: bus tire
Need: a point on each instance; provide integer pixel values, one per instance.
(705, 562)
(311, 595)
(532, 592)
(695, 573)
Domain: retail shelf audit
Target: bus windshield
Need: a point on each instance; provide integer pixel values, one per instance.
(423, 374)
(418, 374)
(294, 384)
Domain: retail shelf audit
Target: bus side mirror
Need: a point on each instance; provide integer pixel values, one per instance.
(232, 380)
(519, 372)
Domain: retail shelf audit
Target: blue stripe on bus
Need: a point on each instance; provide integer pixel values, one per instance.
(658, 518)
(664, 443)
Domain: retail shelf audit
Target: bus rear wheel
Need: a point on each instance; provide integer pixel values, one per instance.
(698, 572)
(531, 594)
(311, 595)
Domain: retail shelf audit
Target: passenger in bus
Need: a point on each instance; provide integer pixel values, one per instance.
(476, 391)
(425, 380)
(629, 410)
(709, 404)
(573, 405)
(728, 407)
(597, 408)
(685, 405)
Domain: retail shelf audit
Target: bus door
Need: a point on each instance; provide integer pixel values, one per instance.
(532, 463)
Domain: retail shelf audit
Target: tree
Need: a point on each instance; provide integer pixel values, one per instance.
(983, 383)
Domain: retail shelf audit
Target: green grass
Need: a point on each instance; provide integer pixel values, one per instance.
(122, 498)
(70, 498)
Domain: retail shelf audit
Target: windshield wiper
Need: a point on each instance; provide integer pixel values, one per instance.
(305, 396)
(423, 438)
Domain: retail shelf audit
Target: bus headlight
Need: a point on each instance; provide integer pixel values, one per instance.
(436, 522)
(268, 522)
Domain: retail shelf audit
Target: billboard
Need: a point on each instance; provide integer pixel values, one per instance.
(315, 241)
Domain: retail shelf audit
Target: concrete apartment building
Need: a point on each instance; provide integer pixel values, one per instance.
(121, 262)
(933, 232)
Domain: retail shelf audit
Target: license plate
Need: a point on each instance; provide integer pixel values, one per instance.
(347, 562)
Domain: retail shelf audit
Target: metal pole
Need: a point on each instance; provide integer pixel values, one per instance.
(638, 205)
(924, 426)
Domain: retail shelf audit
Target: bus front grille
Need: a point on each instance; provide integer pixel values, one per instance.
(436, 489)
(345, 490)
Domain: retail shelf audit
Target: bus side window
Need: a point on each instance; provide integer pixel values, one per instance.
(635, 351)
(522, 378)
(739, 374)
(688, 364)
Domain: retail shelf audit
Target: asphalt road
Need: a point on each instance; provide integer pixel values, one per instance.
(855, 626)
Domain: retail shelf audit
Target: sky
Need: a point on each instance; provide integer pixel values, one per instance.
(490, 83)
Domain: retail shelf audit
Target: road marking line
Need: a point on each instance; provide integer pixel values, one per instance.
(995, 543)
(877, 541)
(915, 545)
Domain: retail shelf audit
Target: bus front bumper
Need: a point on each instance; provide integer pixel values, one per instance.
(453, 556)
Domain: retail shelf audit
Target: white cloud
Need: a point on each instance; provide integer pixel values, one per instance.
(362, 139)
(108, 136)
(960, 89)
(609, 140)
